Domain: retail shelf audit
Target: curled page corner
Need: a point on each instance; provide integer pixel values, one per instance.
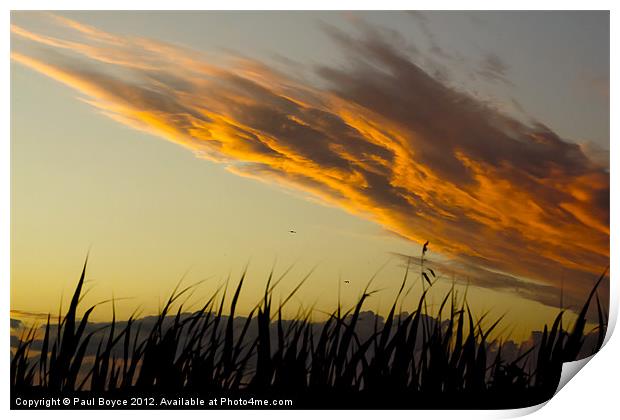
(569, 370)
(518, 412)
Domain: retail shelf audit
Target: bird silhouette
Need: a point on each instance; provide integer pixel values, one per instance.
(292, 231)
(347, 281)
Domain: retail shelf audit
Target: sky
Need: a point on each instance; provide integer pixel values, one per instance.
(187, 145)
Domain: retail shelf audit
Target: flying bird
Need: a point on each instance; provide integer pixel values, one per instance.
(347, 281)
(292, 231)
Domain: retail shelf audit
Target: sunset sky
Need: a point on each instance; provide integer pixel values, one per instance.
(175, 144)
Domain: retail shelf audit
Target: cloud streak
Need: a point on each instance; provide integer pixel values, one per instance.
(379, 137)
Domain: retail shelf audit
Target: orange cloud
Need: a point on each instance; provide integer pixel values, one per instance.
(384, 140)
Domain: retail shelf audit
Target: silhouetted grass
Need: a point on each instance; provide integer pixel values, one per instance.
(415, 360)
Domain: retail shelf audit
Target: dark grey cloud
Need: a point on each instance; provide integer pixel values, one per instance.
(493, 68)
(444, 124)
(476, 275)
